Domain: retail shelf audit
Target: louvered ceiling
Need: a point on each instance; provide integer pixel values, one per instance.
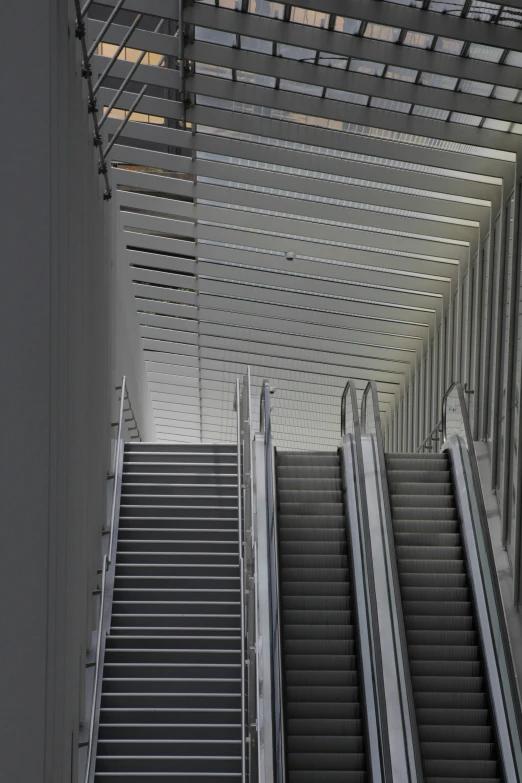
(305, 194)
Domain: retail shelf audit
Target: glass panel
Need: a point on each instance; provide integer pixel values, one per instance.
(307, 89)
(448, 46)
(401, 74)
(491, 54)
(214, 70)
(419, 40)
(256, 45)
(344, 24)
(384, 103)
(348, 97)
(365, 66)
(453, 7)
(505, 93)
(436, 80)
(511, 17)
(484, 11)
(312, 18)
(465, 119)
(296, 52)
(256, 78)
(215, 36)
(234, 5)
(498, 125)
(382, 32)
(514, 58)
(476, 88)
(429, 111)
(333, 60)
(266, 8)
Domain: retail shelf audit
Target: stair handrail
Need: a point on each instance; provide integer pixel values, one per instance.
(370, 408)
(456, 427)
(241, 541)
(116, 475)
(362, 567)
(275, 615)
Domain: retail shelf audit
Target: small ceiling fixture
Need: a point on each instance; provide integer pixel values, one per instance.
(290, 255)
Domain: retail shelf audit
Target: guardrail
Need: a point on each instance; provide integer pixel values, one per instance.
(116, 475)
(499, 665)
(273, 565)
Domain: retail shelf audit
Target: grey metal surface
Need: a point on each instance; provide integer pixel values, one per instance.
(400, 719)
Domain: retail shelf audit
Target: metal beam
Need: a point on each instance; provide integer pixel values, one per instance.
(297, 103)
(351, 46)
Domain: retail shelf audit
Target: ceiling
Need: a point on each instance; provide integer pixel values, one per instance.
(304, 194)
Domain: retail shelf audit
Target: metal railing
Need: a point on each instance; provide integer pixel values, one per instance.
(358, 532)
(93, 89)
(433, 441)
(248, 582)
(505, 699)
(239, 444)
(273, 566)
(116, 475)
(371, 425)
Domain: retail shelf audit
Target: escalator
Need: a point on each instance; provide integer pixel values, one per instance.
(455, 724)
(324, 722)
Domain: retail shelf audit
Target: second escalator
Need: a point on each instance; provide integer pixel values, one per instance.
(324, 727)
(450, 691)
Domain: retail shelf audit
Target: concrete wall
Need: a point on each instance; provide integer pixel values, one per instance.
(55, 393)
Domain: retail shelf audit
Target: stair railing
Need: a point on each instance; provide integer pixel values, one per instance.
(274, 593)
(249, 588)
(406, 759)
(499, 665)
(116, 476)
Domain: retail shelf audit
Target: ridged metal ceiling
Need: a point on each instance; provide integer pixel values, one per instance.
(304, 194)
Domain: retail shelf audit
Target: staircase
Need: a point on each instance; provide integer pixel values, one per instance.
(323, 718)
(456, 731)
(171, 692)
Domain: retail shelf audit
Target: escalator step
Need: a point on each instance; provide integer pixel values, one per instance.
(320, 646)
(323, 534)
(321, 743)
(460, 751)
(320, 678)
(328, 776)
(325, 662)
(287, 520)
(309, 484)
(325, 727)
(447, 684)
(323, 762)
(316, 602)
(312, 547)
(315, 589)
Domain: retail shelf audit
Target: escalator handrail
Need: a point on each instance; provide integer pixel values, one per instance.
(371, 392)
(377, 687)
(275, 614)
(497, 610)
